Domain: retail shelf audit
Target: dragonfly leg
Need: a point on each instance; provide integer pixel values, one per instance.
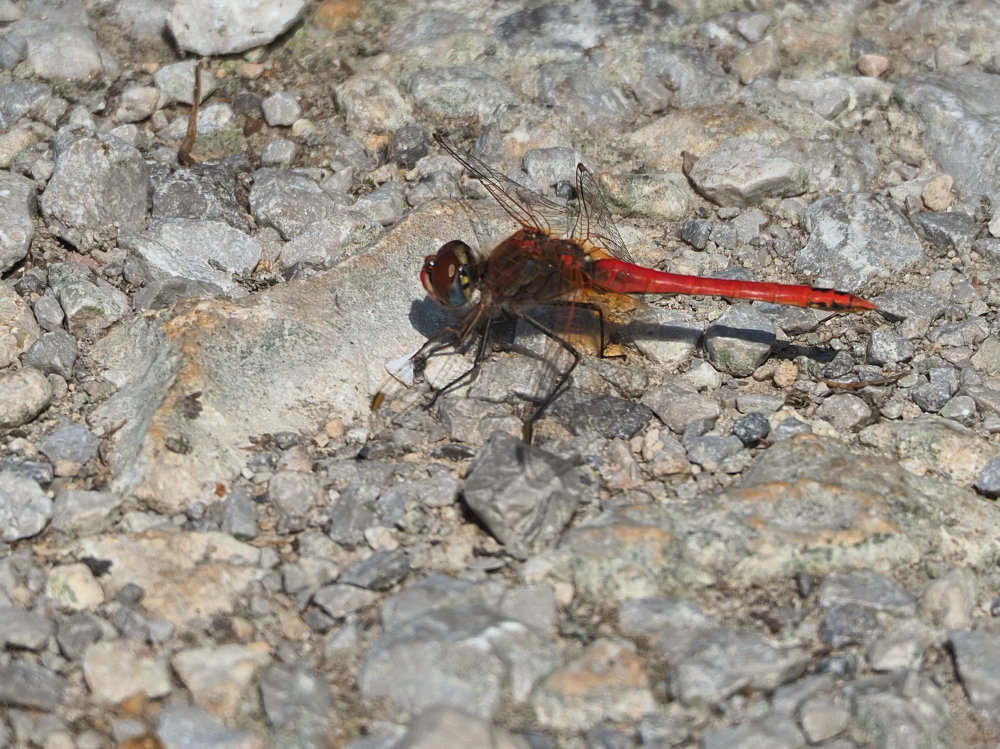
(469, 375)
(561, 383)
(597, 309)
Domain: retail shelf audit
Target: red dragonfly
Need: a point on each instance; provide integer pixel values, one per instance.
(563, 255)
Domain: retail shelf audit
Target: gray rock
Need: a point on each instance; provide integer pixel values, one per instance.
(605, 415)
(720, 662)
(19, 98)
(31, 687)
(740, 340)
(84, 512)
(574, 29)
(855, 238)
(48, 312)
(53, 353)
(59, 41)
(752, 428)
(524, 495)
(331, 240)
(899, 649)
(297, 704)
(239, 515)
(76, 633)
(18, 207)
(186, 725)
(847, 624)
(382, 570)
(281, 109)
(461, 92)
(867, 589)
(212, 118)
(946, 231)
(662, 195)
(176, 81)
(581, 99)
(710, 450)
(450, 726)
(461, 656)
(100, 185)
(893, 709)
(678, 405)
(845, 411)
(69, 448)
(958, 111)
(770, 731)
(848, 164)
(822, 718)
(18, 329)
(338, 600)
(908, 303)
(988, 480)
(278, 152)
(960, 408)
(695, 78)
(670, 622)
(20, 629)
(742, 172)
(384, 206)
(162, 294)
(438, 592)
(886, 347)
(371, 102)
(288, 201)
(138, 103)
(26, 394)
(293, 494)
(695, 232)
(91, 304)
(965, 333)
(201, 251)
(409, 145)
(224, 27)
(13, 49)
(932, 395)
(977, 659)
(203, 191)
(353, 512)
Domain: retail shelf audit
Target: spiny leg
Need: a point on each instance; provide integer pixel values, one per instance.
(561, 383)
(469, 375)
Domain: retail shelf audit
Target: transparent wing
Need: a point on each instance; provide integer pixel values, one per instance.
(593, 220)
(528, 208)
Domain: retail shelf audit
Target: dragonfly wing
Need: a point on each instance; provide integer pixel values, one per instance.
(528, 208)
(594, 224)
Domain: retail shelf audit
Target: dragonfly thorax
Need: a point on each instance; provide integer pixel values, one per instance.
(451, 275)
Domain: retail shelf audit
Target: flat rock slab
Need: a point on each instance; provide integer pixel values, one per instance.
(865, 511)
(198, 381)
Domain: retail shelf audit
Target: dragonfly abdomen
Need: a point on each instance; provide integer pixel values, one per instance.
(610, 274)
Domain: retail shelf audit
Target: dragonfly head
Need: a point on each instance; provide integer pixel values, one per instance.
(450, 276)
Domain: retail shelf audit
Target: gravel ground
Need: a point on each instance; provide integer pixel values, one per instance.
(747, 526)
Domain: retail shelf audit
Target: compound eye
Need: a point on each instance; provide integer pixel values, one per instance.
(445, 276)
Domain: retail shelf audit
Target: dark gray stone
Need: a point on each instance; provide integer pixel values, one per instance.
(382, 570)
(100, 185)
(604, 415)
(30, 687)
(855, 238)
(297, 704)
(53, 353)
(524, 495)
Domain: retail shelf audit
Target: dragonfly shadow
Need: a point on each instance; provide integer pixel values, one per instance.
(429, 318)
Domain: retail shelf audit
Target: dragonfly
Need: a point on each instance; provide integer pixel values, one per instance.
(561, 254)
